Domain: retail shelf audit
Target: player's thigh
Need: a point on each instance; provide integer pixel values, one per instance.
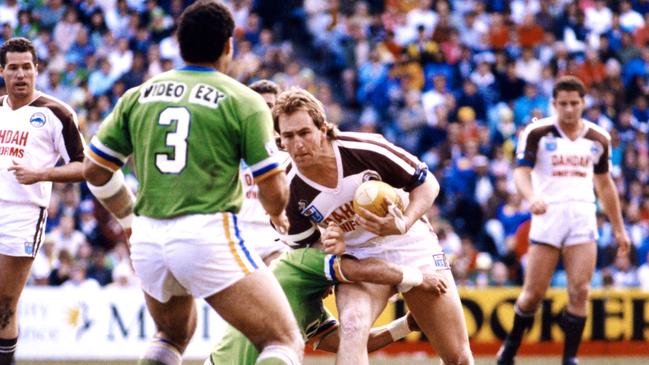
(175, 318)
(14, 272)
(579, 261)
(441, 318)
(542, 260)
(240, 304)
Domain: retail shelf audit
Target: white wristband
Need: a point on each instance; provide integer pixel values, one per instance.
(411, 278)
(399, 328)
(110, 188)
(125, 222)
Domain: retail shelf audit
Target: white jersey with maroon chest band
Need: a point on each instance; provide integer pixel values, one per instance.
(562, 175)
(562, 169)
(37, 134)
(361, 157)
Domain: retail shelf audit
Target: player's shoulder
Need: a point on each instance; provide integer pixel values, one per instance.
(60, 109)
(362, 141)
(541, 123)
(596, 131)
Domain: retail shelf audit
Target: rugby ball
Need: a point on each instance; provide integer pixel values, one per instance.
(370, 195)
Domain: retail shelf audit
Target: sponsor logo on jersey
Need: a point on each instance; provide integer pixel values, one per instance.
(550, 143)
(206, 95)
(162, 91)
(37, 120)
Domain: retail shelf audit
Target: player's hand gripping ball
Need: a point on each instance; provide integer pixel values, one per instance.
(371, 196)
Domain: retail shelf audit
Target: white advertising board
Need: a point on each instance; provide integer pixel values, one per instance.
(108, 323)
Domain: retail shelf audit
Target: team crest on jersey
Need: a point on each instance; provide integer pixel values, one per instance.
(37, 120)
(596, 150)
(550, 143)
(310, 211)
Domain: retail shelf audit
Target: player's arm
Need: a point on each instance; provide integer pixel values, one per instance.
(608, 196)
(526, 152)
(376, 271)
(273, 196)
(109, 188)
(27, 175)
(523, 182)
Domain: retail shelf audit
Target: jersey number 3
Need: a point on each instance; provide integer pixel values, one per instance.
(176, 139)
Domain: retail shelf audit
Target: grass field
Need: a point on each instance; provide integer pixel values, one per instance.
(325, 360)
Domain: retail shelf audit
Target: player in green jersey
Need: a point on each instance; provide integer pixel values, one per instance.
(187, 131)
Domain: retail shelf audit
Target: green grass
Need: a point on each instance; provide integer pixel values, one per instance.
(327, 360)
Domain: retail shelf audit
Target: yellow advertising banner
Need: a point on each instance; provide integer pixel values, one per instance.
(614, 315)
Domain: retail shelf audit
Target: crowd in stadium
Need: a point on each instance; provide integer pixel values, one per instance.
(453, 82)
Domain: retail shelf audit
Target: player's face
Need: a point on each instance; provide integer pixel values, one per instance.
(19, 74)
(270, 99)
(569, 105)
(301, 138)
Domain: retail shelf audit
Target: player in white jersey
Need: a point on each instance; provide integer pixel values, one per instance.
(36, 130)
(253, 218)
(326, 169)
(560, 160)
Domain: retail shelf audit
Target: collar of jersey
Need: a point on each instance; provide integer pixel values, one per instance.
(197, 68)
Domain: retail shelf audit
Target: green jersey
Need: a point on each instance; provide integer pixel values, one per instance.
(188, 130)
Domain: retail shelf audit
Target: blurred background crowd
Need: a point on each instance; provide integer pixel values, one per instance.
(452, 81)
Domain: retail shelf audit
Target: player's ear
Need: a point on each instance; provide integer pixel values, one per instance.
(229, 47)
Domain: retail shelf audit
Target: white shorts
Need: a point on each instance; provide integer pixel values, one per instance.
(21, 228)
(263, 237)
(198, 255)
(418, 248)
(565, 224)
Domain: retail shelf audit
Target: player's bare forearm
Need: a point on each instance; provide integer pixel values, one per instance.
(421, 200)
(607, 194)
(70, 172)
(26, 174)
(523, 182)
(273, 193)
(120, 204)
(371, 270)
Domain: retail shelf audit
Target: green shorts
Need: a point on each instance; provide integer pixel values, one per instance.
(306, 275)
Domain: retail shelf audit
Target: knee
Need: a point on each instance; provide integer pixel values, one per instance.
(578, 294)
(530, 300)
(353, 324)
(7, 311)
(462, 357)
(178, 335)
